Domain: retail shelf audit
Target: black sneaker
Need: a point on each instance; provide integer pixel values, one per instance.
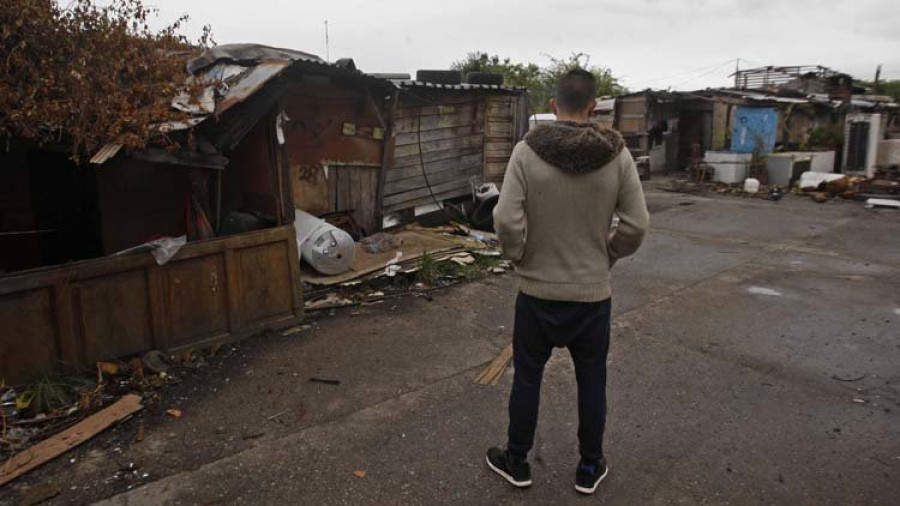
(513, 469)
(589, 475)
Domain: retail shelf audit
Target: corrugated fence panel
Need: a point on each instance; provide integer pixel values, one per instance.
(451, 138)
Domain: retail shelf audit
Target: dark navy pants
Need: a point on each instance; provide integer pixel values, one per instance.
(583, 328)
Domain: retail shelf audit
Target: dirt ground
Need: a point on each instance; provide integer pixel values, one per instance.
(754, 360)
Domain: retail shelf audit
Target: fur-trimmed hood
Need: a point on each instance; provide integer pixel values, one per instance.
(575, 147)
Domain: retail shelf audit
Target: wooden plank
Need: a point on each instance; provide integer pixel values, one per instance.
(29, 345)
(112, 306)
(456, 174)
(408, 138)
(159, 308)
(182, 158)
(498, 149)
(233, 285)
(467, 161)
(196, 299)
(468, 117)
(492, 373)
(45, 276)
(265, 282)
(387, 156)
(113, 312)
(444, 108)
(494, 171)
(69, 351)
(294, 267)
(502, 129)
(427, 200)
(440, 107)
(424, 192)
(468, 141)
(49, 449)
(355, 189)
(434, 157)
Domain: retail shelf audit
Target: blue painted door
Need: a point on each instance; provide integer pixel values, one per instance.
(754, 129)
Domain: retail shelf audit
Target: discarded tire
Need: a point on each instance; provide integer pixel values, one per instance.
(484, 78)
(439, 76)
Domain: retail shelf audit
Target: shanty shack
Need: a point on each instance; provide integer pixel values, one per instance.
(448, 137)
(664, 126)
(273, 129)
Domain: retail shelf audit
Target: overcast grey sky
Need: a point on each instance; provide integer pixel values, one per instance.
(686, 44)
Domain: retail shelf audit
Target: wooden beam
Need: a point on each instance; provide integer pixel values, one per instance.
(59, 444)
(181, 158)
(387, 158)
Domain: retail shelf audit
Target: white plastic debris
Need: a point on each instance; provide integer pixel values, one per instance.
(883, 203)
(162, 249)
(751, 185)
(811, 180)
(759, 290)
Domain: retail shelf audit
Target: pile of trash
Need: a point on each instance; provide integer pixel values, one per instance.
(879, 191)
(883, 190)
(34, 416)
(410, 260)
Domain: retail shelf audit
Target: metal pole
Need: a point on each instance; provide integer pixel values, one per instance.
(327, 49)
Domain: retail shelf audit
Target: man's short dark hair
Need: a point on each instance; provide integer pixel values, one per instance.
(575, 90)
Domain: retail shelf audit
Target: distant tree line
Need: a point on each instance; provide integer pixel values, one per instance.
(540, 80)
(890, 88)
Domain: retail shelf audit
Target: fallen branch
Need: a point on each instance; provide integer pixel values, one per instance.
(59, 444)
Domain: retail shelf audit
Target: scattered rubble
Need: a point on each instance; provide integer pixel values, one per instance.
(424, 259)
(883, 190)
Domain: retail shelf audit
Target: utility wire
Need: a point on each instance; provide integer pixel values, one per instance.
(689, 72)
(704, 74)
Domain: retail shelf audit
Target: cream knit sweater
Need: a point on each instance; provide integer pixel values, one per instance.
(562, 186)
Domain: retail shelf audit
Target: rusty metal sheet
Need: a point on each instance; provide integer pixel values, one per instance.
(250, 83)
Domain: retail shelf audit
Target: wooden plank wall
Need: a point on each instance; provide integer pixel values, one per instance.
(453, 146)
(631, 121)
(63, 319)
(317, 138)
(500, 136)
(353, 188)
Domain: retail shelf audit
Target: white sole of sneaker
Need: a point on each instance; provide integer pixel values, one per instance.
(588, 491)
(507, 477)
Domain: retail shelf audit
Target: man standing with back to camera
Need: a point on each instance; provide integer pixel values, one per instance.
(563, 185)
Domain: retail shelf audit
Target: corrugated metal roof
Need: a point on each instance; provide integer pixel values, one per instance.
(238, 71)
(235, 72)
(246, 55)
(249, 83)
(463, 86)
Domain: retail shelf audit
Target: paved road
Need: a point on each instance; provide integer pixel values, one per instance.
(755, 360)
